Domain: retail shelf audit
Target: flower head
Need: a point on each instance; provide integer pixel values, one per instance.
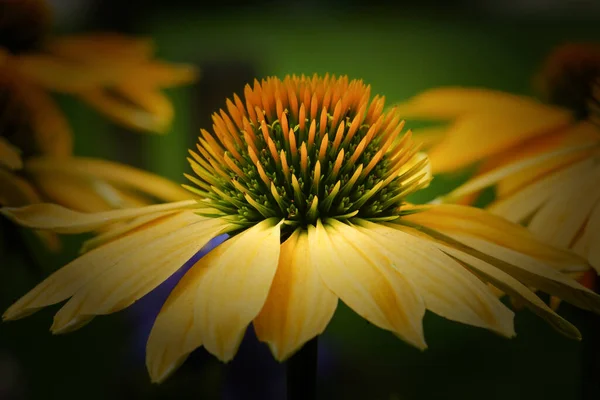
(308, 176)
(570, 77)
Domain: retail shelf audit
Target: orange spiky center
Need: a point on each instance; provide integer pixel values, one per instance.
(302, 149)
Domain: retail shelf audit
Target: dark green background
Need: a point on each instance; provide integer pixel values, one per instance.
(399, 53)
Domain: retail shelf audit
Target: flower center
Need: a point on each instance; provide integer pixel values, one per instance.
(303, 149)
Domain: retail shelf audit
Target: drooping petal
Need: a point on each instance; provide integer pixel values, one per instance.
(9, 155)
(120, 175)
(101, 47)
(139, 271)
(524, 202)
(587, 244)
(62, 220)
(447, 288)
(361, 275)
(477, 222)
(66, 281)
(526, 269)
(299, 305)
(565, 213)
(515, 289)
(235, 286)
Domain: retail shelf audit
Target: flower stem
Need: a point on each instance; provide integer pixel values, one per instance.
(302, 373)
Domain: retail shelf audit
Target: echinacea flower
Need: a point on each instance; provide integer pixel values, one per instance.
(309, 178)
(113, 73)
(542, 159)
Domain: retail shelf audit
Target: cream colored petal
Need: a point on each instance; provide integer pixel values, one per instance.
(140, 271)
(480, 223)
(447, 288)
(66, 281)
(492, 177)
(125, 114)
(523, 203)
(235, 287)
(529, 270)
(118, 230)
(299, 305)
(515, 289)
(120, 175)
(357, 270)
(173, 338)
(10, 156)
(62, 220)
(563, 216)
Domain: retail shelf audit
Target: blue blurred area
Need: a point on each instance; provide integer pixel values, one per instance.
(400, 50)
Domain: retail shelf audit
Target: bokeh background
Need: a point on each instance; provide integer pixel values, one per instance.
(400, 50)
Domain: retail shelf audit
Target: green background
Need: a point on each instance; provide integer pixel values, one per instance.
(399, 54)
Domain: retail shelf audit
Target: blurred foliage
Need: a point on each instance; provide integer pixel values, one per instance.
(399, 54)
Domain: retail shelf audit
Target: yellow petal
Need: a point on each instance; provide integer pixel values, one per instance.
(130, 115)
(477, 222)
(299, 305)
(494, 176)
(357, 270)
(235, 286)
(101, 47)
(515, 118)
(525, 202)
(173, 338)
(60, 75)
(140, 271)
(121, 175)
(448, 289)
(528, 270)
(515, 289)
(565, 213)
(50, 131)
(162, 75)
(66, 281)
(10, 156)
(63, 220)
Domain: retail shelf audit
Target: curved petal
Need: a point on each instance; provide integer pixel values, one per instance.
(121, 175)
(526, 269)
(480, 223)
(361, 275)
(526, 201)
(66, 281)
(132, 116)
(448, 289)
(299, 306)
(62, 220)
(97, 47)
(587, 244)
(559, 220)
(139, 271)
(10, 156)
(514, 118)
(515, 289)
(235, 286)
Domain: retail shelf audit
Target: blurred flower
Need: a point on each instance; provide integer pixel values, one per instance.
(542, 159)
(113, 73)
(36, 162)
(308, 176)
